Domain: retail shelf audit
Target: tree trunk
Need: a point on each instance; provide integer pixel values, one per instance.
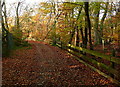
(17, 16)
(88, 24)
(5, 33)
(85, 40)
(5, 15)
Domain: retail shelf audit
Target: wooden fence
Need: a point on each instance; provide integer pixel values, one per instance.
(78, 54)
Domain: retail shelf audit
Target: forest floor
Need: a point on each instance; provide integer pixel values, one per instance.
(46, 66)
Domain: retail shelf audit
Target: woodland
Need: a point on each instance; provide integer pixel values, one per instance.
(57, 31)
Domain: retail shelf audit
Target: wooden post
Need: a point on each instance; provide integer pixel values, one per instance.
(112, 63)
(80, 45)
(103, 44)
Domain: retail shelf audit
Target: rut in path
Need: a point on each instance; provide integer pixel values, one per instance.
(59, 68)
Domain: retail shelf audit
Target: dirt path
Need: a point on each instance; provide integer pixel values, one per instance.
(58, 68)
(49, 66)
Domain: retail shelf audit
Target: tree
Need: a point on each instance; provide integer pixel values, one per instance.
(88, 24)
(7, 42)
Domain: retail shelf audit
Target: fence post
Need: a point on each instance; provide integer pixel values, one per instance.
(103, 44)
(112, 64)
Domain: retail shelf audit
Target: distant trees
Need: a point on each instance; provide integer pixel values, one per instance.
(80, 23)
(11, 34)
(17, 32)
